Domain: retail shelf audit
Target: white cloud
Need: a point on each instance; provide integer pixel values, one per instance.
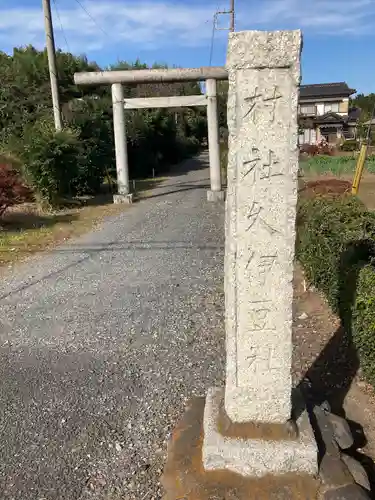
(330, 17)
(141, 24)
(149, 24)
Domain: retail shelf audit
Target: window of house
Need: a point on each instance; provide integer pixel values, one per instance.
(307, 109)
(331, 107)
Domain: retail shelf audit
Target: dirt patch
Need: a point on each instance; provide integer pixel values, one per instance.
(327, 184)
(326, 187)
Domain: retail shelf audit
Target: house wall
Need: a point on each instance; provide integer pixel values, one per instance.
(320, 108)
(323, 106)
(308, 136)
(343, 105)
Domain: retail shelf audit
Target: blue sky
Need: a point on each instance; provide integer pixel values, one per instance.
(339, 35)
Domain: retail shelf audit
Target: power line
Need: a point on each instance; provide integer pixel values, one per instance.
(61, 25)
(91, 17)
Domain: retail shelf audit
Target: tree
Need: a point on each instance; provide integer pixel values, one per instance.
(156, 137)
(25, 92)
(366, 103)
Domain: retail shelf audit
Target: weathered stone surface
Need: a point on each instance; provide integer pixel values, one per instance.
(323, 427)
(336, 469)
(264, 74)
(123, 198)
(341, 431)
(215, 195)
(350, 492)
(334, 472)
(255, 457)
(357, 471)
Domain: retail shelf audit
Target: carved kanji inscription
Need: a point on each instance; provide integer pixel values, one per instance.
(252, 163)
(262, 360)
(262, 103)
(271, 167)
(265, 265)
(253, 215)
(250, 259)
(259, 317)
(261, 166)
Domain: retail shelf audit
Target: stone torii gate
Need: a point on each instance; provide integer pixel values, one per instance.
(117, 78)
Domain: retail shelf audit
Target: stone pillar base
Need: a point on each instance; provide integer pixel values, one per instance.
(185, 478)
(258, 456)
(215, 195)
(123, 198)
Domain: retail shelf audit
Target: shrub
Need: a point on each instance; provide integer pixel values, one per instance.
(336, 247)
(349, 145)
(309, 149)
(49, 160)
(12, 187)
(364, 321)
(92, 121)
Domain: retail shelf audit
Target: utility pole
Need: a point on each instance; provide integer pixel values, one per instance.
(231, 27)
(51, 53)
(231, 13)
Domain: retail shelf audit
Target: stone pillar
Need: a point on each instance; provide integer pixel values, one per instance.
(215, 193)
(124, 195)
(264, 77)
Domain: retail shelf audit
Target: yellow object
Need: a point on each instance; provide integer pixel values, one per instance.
(359, 168)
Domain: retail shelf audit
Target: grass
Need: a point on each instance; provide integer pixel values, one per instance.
(26, 230)
(334, 165)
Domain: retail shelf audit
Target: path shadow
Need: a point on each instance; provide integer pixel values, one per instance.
(330, 376)
(199, 162)
(164, 191)
(19, 221)
(104, 198)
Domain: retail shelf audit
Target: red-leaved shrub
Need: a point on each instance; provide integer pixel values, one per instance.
(309, 149)
(12, 188)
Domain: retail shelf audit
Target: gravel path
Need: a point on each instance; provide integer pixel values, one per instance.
(103, 341)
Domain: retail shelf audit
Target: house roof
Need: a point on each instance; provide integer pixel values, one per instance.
(339, 89)
(335, 118)
(330, 117)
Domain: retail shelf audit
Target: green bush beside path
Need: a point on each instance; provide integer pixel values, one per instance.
(336, 247)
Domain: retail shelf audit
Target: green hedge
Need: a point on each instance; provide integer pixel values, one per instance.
(336, 247)
(350, 145)
(49, 160)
